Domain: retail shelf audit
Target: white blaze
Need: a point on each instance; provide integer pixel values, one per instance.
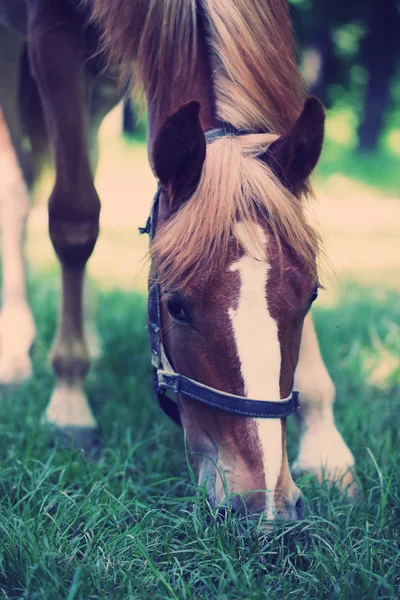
(256, 336)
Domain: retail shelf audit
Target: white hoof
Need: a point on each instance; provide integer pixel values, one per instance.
(69, 407)
(17, 332)
(15, 369)
(325, 454)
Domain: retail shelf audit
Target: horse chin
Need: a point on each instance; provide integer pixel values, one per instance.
(219, 485)
(207, 476)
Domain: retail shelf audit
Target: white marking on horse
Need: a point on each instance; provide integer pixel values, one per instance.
(256, 336)
(69, 406)
(17, 328)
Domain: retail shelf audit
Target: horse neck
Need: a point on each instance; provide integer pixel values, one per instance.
(200, 89)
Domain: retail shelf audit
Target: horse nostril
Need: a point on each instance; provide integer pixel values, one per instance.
(234, 505)
(299, 506)
(240, 508)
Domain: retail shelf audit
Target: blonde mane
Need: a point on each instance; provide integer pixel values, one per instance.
(257, 84)
(257, 87)
(235, 185)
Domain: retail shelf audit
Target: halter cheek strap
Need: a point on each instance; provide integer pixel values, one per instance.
(166, 378)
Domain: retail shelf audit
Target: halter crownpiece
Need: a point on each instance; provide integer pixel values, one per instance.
(166, 378)
(226, 130)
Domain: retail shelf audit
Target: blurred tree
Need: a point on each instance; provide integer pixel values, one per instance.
(351, 49)
(380, 52)
(128, 118)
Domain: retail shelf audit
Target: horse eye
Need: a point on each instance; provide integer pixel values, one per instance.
(314, 296)
(177, 310)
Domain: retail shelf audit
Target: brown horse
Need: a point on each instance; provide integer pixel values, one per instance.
(233, 254)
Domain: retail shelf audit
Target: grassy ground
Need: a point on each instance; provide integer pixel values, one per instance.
(132, 523)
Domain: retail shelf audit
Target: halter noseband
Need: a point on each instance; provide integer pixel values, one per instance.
(166, 378)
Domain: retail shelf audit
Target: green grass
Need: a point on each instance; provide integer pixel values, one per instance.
(132, 524)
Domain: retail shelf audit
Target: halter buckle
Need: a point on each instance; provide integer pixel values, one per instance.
(169, 380)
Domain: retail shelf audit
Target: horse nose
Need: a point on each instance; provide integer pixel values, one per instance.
(253, 507)
(241, 507)
(292, 511)
(299, 506)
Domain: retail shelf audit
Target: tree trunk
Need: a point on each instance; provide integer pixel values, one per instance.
(129, 119)
(379, 55)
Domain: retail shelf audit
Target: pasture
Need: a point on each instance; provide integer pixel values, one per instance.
(131, 523)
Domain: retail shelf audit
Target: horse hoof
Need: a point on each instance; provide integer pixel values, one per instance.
(351, 488)
(15, 370)
(343, 478)
(85, 439)
(17, 332)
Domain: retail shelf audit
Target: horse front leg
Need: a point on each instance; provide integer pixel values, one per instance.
(322, 448)
(57, 54)
(17, 328)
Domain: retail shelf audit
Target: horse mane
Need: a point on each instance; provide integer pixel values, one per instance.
(152, 42)
(235, 185)
(256, 82)
(257, 87)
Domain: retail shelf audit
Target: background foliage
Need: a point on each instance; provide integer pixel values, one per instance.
(351, 58)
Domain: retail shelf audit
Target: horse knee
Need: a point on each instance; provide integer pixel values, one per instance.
(74, 224)
(316, 388)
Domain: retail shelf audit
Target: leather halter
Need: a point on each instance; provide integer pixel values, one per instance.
(166, 378)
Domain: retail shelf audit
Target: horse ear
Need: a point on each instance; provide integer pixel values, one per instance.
(179, 153)
(293, 156)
